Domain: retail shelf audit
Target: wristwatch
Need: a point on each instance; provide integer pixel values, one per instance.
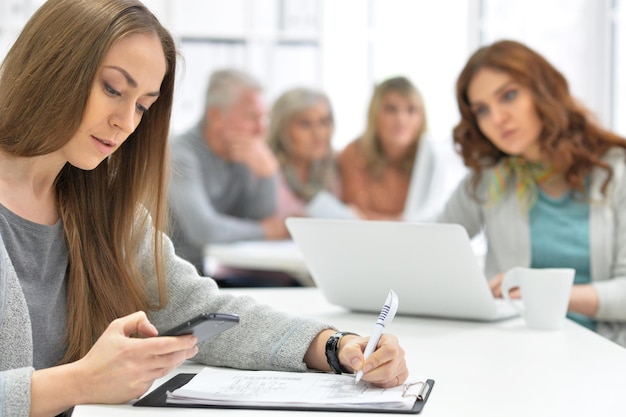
(332, 347)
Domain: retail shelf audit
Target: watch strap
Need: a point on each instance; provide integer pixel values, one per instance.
(332, 350)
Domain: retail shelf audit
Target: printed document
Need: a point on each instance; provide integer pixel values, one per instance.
(219, 386)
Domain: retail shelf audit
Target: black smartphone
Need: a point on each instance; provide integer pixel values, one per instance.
(204, 325)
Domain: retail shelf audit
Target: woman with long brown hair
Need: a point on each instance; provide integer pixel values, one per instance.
(85, 101)
(546, 183)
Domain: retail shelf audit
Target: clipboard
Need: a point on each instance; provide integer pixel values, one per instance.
(158, 398)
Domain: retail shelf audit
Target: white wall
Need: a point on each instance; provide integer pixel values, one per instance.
(619, 72)
(361, 43)
(345, 46)
(574, 35)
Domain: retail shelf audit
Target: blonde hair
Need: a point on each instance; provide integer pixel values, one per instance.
(370, 143)
(45, 80)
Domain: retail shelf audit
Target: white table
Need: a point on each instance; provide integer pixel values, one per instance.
(281, 255)
(480, 369)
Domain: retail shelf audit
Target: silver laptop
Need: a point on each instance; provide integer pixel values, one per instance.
(431, 267)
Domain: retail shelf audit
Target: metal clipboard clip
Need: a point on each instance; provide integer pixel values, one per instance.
(418, 389)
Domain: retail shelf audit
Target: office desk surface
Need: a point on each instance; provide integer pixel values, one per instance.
(480, 369)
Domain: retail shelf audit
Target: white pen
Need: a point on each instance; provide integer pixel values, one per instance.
(385, 317)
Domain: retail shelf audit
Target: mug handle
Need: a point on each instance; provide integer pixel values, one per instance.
(510, 280)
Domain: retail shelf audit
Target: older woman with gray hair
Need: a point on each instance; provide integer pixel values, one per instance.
(300, 132)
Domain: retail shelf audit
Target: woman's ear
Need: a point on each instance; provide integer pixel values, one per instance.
(215, 116)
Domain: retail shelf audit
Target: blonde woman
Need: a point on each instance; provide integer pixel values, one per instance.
(376, 168)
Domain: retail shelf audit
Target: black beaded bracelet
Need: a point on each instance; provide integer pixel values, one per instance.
(332, 346)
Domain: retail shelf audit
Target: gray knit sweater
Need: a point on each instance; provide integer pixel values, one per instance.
(265, 338)
(508, 237)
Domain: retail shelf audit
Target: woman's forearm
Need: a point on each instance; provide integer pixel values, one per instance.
(584, 300)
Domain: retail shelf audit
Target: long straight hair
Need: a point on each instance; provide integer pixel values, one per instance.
(45, 80)
(370, 142)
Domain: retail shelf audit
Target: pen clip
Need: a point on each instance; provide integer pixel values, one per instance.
(389, 309)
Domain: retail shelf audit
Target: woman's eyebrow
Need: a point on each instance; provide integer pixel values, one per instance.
(498, 91)
(504, 86)
(131, 81)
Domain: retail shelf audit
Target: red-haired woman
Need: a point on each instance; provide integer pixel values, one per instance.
(546, 183)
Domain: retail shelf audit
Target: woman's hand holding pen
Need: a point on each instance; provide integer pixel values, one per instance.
(385, 367)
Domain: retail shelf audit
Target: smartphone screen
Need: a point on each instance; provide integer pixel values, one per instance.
(204, 325)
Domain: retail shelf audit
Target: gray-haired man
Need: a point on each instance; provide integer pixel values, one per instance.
(223, 186)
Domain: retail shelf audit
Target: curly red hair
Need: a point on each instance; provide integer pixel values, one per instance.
(570, 136)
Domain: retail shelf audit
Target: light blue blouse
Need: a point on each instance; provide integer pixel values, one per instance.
(559, 230)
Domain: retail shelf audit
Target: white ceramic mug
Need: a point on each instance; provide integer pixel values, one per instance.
(545, 294)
